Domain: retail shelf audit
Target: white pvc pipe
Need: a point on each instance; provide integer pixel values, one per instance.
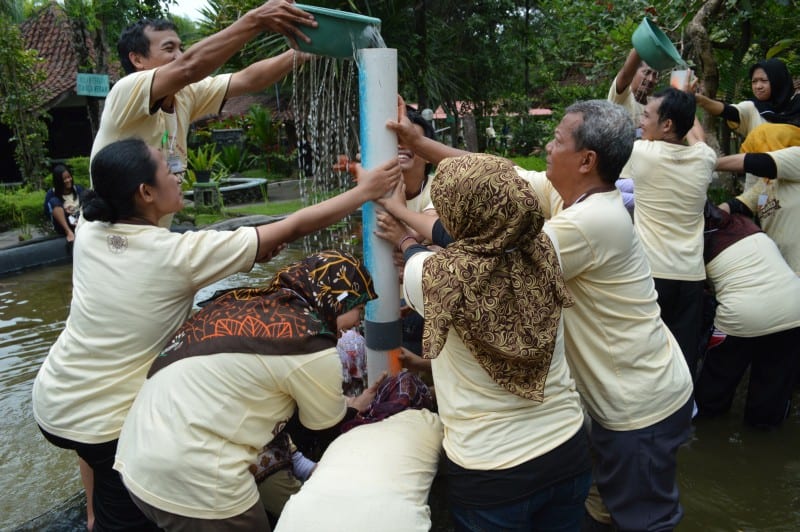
(377, 83)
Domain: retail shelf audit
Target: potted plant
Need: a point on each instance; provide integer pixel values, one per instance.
(202, 162)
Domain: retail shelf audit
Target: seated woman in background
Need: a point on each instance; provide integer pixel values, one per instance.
(229, 381)
(63, 202)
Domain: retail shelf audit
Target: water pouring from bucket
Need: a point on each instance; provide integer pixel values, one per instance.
(340, 34)
(344, 35)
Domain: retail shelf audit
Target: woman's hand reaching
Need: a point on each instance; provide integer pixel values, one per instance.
(378, 181)
(362, 402)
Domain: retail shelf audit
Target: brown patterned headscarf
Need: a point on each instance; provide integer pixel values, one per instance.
(499, 284)
(295, 314)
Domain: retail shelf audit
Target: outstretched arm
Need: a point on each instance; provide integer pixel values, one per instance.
(696, 134)
(731, 163)
(202, 59)
(264, 73)
(395, 205)
(758, 164)
(372, 184)
(429, 149)
(712, 107)
(628, 71)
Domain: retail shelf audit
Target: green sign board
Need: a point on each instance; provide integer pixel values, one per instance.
(92, 85)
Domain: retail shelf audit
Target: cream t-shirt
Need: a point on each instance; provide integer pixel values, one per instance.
(626, 100)
(198, 424)
(373, 477)
(757, 293)
(133, 286)
(777, 203)
(485, 426)
(670, 183)
(422, 201)
(749, 118)
(629, 368)
(127, 112)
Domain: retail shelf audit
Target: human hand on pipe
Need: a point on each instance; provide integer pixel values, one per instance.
(363, 401)
(380, 180)
(393, 230)
(413, 361)
(267, 255)
(407, 134)
(395, 202)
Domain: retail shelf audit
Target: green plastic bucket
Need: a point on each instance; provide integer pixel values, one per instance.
(654, 47)
(339, 32)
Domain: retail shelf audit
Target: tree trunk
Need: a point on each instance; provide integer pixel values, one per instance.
(420, 27)
(697, 33)
(470, 132)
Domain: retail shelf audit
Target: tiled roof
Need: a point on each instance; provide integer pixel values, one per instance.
(239, 105)
(50, 33)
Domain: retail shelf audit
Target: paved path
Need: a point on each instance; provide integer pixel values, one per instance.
(9, 238)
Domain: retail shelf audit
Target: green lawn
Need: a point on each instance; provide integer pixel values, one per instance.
(271, 208)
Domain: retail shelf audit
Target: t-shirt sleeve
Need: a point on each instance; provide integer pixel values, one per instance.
(541, 186)
(129, 103)
(211, 255)
(208, 95)
(747, 117)
(316, 387)
(787, 162)
(574, 247)
(620, 98)
(53, 202)
(412, 281)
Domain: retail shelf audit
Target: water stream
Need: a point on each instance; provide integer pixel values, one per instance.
(325, 106)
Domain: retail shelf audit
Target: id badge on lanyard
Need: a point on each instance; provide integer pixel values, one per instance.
(174, 161)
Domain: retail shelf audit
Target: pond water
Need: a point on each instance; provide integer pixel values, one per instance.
(731, 478)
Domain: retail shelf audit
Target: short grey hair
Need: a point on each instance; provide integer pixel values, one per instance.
(607, 129)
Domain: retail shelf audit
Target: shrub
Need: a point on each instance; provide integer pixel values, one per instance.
(235, 158)
(80, 171)
(531, 163)
(281, 164)
(532, 133)
(22, 207)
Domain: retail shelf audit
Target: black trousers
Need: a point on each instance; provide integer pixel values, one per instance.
(113, 508)
(774, 362)
(681, 305)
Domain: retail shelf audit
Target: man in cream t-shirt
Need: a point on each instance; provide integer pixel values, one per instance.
(671, 168)
(632, 85)
(166, 89)
(628, 367)
(373, 477)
